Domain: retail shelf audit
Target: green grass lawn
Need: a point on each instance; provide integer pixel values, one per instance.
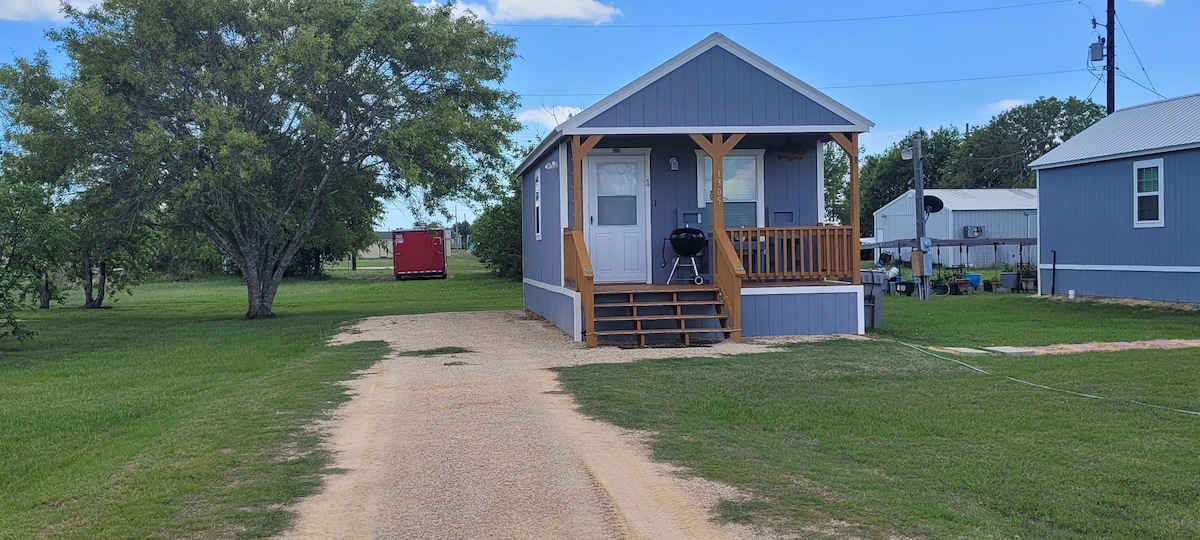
(875, 440)
(169, 416)
(990, 319)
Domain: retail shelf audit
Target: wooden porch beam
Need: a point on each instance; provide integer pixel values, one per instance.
(579, 150)
(850, 145)
(717, 149)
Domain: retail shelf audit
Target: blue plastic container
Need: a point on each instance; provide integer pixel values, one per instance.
(975, 279)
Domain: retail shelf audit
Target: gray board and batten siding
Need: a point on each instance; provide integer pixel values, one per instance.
(542, 259)
(716, 89)
(1087, 218)
(819, 310)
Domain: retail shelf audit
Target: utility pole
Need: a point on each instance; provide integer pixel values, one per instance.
(1111, 65)
(919, 267)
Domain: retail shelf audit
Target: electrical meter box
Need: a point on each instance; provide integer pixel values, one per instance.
(420, 253)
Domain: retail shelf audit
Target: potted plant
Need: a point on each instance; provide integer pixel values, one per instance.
(942, 281)
(1009, 278)
(1028, 277)
(987, 285)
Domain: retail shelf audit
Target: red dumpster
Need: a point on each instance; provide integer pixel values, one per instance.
(419, 253)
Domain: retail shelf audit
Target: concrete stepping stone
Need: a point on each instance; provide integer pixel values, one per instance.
(1010, 351)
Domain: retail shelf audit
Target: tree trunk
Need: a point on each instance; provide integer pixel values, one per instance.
(95, 301)
(263, 270)
(43, 288)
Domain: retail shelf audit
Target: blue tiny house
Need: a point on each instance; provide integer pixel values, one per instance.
(717, 139)
(1118, 206)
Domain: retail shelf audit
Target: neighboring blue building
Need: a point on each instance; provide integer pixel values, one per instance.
(606, 187)
(1118, 206)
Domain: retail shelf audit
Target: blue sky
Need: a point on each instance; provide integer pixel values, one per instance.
(903, 65)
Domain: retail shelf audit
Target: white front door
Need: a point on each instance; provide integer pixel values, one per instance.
(618, 216)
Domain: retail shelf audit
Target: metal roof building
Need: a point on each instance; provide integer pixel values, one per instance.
(1160, 126)
(969, 214)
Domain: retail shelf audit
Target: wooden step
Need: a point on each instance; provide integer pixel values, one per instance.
(637, 288)
(668, 317)
(663, 331)
(684, 333)
(668, 303)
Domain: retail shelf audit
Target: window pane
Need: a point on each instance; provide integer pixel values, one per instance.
(616, 210)
(618, 178)
(1147, 180)
(741, 214)
(1147, 208)
(741, 178)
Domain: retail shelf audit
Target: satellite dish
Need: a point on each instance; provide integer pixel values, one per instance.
(933, 204)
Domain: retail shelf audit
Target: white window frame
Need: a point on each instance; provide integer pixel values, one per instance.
(703, 195)
(1148, 164)
(537, 204)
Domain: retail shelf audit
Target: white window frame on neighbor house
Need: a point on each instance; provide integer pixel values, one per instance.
(704, 196)
(1138, 194)
(537, 204)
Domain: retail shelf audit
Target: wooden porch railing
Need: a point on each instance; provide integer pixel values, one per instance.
(727, 276)
(577, 275)
(775, 253)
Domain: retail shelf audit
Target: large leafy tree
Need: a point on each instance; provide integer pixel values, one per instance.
(998, 154)
(888, 175)
(497, 234)
(252, 121)
(33, 240)
(65, 137)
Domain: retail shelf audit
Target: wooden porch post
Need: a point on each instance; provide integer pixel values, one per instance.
(578, 151)
(850, 145)
(584, 281)
(726, 267)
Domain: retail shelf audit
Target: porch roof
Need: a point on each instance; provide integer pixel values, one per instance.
(715, 86)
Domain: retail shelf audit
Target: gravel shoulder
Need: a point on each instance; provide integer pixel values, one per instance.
(484, 444)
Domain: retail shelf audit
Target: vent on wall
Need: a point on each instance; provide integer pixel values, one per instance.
(973, 231)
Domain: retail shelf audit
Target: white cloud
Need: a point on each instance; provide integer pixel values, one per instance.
(1002, 105)
(1151, 3)
(532, 10)
(550, 117)
(37, 10)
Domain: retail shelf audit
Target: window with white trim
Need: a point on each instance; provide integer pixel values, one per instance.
(537, 204)
(1148, 193)
(743, 186)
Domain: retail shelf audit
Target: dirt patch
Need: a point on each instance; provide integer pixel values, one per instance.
(488, 446)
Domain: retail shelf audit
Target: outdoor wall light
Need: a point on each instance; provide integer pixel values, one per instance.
(674, 163)
(552, 165)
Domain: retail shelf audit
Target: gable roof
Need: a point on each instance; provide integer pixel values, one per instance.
(585, 123)
(1160, 126)
(799, 107)
(975, 199)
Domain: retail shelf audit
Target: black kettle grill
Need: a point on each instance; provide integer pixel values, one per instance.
(687, 242)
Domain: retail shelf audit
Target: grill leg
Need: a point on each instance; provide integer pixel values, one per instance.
(673, 268)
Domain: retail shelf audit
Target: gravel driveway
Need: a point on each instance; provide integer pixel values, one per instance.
(484, 445)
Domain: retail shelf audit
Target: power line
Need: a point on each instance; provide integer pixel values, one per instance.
(778, 23)
(940, 81)
(869, 85)
(1135, 55)
(1144, 87)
